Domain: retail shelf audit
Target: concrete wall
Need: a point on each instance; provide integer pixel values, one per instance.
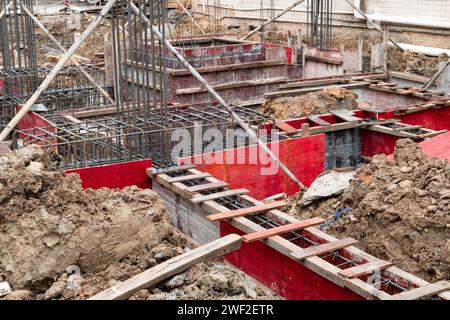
(186, 217)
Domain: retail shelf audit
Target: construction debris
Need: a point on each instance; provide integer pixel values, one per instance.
(329, 184)
(400, 211)
(318, 102)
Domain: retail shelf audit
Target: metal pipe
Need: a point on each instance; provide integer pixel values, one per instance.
(211, 90)
(51, 76)
(444, 24)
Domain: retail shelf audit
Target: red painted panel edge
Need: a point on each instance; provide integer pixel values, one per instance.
(115, 176)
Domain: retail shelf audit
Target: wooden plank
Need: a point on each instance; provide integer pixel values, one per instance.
(414, 109)
(228, 67)
(283, 126)
(317, 120)
(330, 128)
(214, 196)
(246, 212)
(287, 93)
(252, 237)
(170, 268)
(404, 127)
(392, 132)
(207, 187)
(312, 83)
(336, 61)
(324, 248)
(232, 85)
(423, 292)
(154, 171)
(366, 268)
(189, 177)
(345, 115)
(432, 134)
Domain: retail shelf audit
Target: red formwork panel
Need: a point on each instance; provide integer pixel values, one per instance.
(304, 156)
(438, 146)
(116, 176)
(373, 143)
(435, 119)
(285, 276)
(33, 120)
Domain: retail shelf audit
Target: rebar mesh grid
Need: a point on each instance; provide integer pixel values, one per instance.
(113, 139)
(70, 89)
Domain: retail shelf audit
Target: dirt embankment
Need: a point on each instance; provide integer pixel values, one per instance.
(411, 62)
(64, 28)
(401, 211)
(318, 102)
(58, 241)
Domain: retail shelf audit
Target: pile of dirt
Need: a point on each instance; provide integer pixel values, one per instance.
(48, 222)
(318, 102)
(401, 211)
(411, 62)
(58, 241)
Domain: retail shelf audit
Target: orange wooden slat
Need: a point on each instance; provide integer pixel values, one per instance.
(366, 268)
(283, 126)
(246, 211)
(252, 237)
(207, 187)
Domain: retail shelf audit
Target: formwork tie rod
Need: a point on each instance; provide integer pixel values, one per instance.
(211, 90)
(56, 69)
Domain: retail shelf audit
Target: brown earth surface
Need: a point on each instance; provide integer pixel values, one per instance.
(58, 241)
(411, 62)
(401, 211)
(63, 28)
(318, 102)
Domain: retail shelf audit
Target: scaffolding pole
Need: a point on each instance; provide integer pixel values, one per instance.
(211, 90)
(51, 76)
